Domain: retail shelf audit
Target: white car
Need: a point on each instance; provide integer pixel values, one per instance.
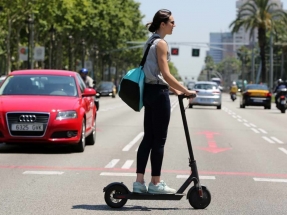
(207, 94)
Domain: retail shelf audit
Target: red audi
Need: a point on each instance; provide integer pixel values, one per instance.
(47, 106)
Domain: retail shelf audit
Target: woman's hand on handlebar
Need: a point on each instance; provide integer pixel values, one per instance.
(190, 93)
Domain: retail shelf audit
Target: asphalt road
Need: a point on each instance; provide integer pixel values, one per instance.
(241, 156)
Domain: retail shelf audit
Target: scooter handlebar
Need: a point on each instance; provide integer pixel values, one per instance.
(183, 96)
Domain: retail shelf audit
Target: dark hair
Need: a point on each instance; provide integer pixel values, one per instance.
(160, 16)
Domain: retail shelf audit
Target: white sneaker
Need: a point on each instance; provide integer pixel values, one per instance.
(139, 187)
(160, 188)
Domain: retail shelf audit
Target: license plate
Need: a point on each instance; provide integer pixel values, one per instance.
(27, 127)
(205, 100)
(283, 102)
(257, 100)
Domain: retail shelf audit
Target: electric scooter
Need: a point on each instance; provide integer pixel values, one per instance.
(199, 197)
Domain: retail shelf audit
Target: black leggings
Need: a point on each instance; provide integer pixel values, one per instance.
(156, 120)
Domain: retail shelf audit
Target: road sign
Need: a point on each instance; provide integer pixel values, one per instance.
(23, 53)
(174, 51)
(39, 53)
(195, 52)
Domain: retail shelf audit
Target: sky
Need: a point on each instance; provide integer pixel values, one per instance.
(194, 20)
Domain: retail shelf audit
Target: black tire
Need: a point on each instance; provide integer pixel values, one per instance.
(190, 106)
(218, 107)
(80, 147)
(91, 139)
(283, 110)
(115, 203)
(194, 199)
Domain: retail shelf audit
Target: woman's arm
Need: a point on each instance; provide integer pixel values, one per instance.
(161, 51)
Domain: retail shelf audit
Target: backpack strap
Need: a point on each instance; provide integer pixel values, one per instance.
(147, 50)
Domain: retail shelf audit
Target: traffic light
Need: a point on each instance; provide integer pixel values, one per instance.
(174, 51)
(195, 52)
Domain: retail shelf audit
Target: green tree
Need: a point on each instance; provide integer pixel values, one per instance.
(260, 15)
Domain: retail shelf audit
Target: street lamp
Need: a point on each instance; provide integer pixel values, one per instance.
(70, 53)
(84, 52)
(52, 31)
(30, 22)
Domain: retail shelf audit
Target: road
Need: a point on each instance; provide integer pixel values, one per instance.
(241, 156)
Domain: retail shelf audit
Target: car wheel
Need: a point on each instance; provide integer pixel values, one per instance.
(218, 107)
(190, 106)
(91, 139)
(82, 143)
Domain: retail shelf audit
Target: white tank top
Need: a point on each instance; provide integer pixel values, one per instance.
(151, 69)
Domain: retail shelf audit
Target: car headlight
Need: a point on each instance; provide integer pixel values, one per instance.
(66, 115)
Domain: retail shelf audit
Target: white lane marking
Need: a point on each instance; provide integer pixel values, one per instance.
(239, 120)
(239, 117)
(255, 130)
(234, 116)
(127, 164)
(173, 106)
(253, 125)
(200, 177)
(270, 180)
(112, 163)
(268, 140)
(43, 173)
(263, 131)
(283, 150)
(117, 174)
(276, 140)
(128, 147)
(247, 125)
(245, 120)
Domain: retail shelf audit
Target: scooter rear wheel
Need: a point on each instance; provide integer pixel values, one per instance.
(194, 199)
(111, 201)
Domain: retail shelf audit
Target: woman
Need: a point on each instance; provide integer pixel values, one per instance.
(158, 81)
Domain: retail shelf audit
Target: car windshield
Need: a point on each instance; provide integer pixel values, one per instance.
(39, 85)
(206, 86)
(256, 87)
(105, 85)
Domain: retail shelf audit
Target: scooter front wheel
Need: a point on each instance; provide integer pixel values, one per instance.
(196, 201)
(109, 196)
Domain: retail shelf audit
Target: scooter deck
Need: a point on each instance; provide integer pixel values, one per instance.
(149, 196)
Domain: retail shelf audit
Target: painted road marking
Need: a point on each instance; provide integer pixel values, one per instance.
(128, 164)
(200, 177)
(112, 163)
(239, 116)
(247, 125)
(263, 131)
(118, 174)
(270, 180)
(245, 120)
(173, 106)
(234, 116)
(128, 147)
(239, 120)
(283, 150)
(43, 173)
(253, 125)
(255, 130)
(276, 140)
(268, 140)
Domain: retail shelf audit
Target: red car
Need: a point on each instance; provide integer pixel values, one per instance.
(47, 106)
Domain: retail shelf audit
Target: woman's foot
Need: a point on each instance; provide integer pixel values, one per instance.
(160, 188)
(139, 187)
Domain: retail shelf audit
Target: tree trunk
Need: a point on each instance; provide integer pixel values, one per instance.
(262, 44)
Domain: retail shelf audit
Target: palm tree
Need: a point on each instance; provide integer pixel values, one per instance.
(261, 15)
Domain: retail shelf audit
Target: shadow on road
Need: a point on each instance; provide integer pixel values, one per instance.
(127, 208)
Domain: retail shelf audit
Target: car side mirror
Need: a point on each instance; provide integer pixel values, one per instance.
(88, 92)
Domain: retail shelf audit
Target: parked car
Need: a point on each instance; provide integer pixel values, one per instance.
(190, 85)
(208, 94)
(47, 106)
(256, 95)
(106, 88)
